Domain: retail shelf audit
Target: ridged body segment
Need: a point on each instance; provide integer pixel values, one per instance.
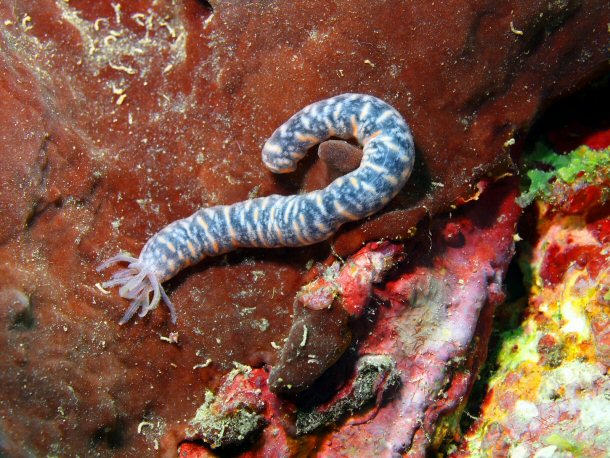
(298, 220)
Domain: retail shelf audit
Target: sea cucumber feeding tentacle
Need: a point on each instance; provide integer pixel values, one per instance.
(275, 221)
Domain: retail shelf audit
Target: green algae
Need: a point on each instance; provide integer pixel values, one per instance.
(224, 429)
(583, 163)
(564, 444)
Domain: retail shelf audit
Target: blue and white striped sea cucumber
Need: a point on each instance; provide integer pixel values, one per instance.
(275, 221)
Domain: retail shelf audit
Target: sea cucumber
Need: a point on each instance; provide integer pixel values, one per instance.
(275, 221)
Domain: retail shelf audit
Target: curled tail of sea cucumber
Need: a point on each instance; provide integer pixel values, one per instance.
(136, 283)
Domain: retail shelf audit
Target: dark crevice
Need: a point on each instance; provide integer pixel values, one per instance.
(23, 320)
(88, 199)
(507, 320)
(566, 123)
(539, 30)
(111, 436)
(21, 310)
(42, 177)
(233, 451)
(39, 209)
(43, 204)
(207, 6)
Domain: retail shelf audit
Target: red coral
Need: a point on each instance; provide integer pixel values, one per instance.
(558, 259)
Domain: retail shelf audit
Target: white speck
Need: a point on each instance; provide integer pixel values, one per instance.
(575, 320)
(26, 22)
(526, 410)
(99, 286)
(546, 452)
(142, 424)
(514, 30)
(202, 365)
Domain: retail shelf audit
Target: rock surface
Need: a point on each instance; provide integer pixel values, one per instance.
(414, 358)
(119, 117)
(549, 395)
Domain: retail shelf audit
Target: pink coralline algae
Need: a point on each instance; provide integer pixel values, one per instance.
(435, 326)
(353, 282)
(239, 411)
(320, 333)
(549, 394)
(414, 356)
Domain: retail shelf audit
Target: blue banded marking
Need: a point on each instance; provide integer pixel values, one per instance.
(272, 221)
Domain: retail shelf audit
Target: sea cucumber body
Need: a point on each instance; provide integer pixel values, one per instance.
(296, 220)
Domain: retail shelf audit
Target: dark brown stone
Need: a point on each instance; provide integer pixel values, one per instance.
(316, 340)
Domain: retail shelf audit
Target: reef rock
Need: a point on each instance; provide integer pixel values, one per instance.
(118, 117)
(549, 395)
